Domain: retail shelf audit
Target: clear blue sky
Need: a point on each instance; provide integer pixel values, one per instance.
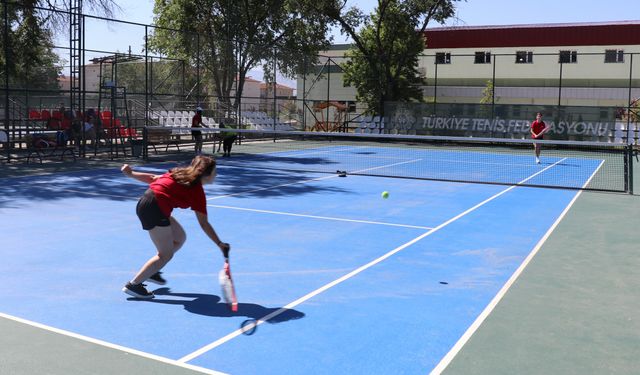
(476, 12)
(470, 13)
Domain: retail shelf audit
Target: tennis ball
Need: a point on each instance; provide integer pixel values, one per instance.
(248, 327)
(385, 194)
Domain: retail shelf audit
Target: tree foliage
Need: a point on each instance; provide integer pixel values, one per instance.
(30, 61)
(227, 38)
(383, 63)
(487, 93)
(29, 58)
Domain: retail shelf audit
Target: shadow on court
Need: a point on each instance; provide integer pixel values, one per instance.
(212, 305)
(248, 181)
(110, 184)
(51, 188)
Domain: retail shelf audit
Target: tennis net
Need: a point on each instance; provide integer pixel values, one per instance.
(563, 164)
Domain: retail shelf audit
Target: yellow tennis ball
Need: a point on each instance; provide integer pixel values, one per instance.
(385, 194)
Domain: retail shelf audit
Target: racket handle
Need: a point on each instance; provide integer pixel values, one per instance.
(225, 247)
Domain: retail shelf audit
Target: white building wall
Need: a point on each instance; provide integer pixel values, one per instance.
(590, 64)
(590, 81)
(250, 95)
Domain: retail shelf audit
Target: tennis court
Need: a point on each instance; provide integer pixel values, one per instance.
(338, 279)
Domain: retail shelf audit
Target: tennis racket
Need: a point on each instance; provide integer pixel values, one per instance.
(226, 283)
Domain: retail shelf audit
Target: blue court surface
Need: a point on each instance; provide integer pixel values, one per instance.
(338, 279)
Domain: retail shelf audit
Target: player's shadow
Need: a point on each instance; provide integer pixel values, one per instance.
(212, 305)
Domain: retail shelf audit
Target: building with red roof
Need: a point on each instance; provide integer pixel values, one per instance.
(577, 64)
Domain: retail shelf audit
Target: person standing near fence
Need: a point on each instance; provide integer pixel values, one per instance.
(538, 128)
(196, 122)
(228, 138)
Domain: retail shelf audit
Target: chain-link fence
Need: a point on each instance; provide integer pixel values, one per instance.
(108, 91)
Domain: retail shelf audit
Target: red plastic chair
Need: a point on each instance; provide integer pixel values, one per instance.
(65, 124)
(106, 118)
(34, 114)
(45, 114)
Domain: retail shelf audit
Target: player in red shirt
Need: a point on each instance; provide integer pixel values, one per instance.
(538, 128)
(181, 187)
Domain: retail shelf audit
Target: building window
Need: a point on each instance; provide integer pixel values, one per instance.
(443, 58)
(524, 57)
(483, 58)
(614, 56)
(568, 57)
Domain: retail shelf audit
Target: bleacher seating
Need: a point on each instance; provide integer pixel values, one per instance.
(369, 124)
(179, 119)
(259, 120)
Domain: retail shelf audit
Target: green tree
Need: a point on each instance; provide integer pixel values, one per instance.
(165, 76)
(487, 93)
(383, 63)
(31, 61)
(227, 38)
(634, 110)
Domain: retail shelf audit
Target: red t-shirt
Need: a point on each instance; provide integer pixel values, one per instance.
(196, 121)
(537, 127)
(171, 194)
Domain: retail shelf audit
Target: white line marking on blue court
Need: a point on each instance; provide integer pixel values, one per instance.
(358, 270)
(446, 360)
(305, 181)
(312, 151)
(320, 217)
(112, 346)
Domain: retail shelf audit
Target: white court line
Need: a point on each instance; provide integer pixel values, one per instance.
(248, 191)
(320, 217)
(312, 151)
(112, 346)
(446, 360)
(308, 180)
(358, 270)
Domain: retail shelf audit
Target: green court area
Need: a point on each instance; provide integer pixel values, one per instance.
(574, 309)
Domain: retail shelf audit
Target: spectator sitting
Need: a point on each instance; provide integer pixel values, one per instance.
(87, 127)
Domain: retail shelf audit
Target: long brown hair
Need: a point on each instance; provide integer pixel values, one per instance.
(200, 166)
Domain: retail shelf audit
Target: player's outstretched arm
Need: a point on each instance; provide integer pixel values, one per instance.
(203, 220)
(140, 176)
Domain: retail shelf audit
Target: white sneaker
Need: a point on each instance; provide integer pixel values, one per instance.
(537, 161)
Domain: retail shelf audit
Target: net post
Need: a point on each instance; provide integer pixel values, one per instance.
(629, 163)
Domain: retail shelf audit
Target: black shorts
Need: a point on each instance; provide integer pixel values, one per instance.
(149, 212)
(197, 135)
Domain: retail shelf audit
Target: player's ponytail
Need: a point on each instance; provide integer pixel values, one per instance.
(201, 166)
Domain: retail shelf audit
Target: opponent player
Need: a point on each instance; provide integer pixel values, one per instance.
(181, 187)
(538, 128)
